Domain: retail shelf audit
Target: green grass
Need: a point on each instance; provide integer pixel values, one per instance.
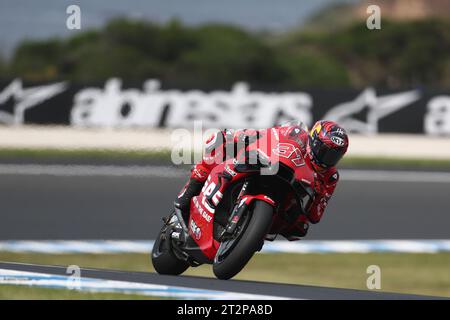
(427, 274)
(164, 156)
(84, 154)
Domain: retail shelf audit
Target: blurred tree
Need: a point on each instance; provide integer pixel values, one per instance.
(310, 67)
(37, 60)
(223, 55)
(400, 54)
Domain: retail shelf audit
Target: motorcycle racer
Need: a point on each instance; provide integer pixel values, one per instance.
(325, 144)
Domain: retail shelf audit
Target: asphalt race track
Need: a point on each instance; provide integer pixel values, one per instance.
(251, 287)
(41, 206)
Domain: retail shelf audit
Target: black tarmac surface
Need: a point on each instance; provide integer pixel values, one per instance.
(124, 207)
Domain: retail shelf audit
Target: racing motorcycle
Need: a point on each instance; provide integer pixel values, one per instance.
(237, 209)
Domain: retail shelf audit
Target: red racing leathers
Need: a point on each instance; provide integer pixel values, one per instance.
(325, 179)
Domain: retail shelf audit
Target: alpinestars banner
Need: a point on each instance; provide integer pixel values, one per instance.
(114, 104)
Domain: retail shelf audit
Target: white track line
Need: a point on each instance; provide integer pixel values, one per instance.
(171, 172)
(48, 280)
(279, 246)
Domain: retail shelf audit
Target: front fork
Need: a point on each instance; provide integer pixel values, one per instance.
(238, 210)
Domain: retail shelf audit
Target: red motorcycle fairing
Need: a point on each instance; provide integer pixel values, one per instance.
(201, 220)
(249, 198)
(279, 149)
(282, 147)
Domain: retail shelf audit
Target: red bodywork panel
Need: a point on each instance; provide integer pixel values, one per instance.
(275, 147)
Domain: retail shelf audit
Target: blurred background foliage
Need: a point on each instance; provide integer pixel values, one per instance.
(401, 54)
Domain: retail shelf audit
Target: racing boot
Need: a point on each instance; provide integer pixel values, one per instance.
(191, 189)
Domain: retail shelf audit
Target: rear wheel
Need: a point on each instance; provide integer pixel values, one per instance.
(163, 259)
(233, 254)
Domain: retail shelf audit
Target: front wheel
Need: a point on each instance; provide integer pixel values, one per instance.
(230, 261)
(163, 259)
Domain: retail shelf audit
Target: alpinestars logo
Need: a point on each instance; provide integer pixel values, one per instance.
(24, 99)
(378, 108)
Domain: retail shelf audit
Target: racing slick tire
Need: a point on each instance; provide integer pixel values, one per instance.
(249, 241)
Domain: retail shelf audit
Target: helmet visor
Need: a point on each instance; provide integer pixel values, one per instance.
(327, 156)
